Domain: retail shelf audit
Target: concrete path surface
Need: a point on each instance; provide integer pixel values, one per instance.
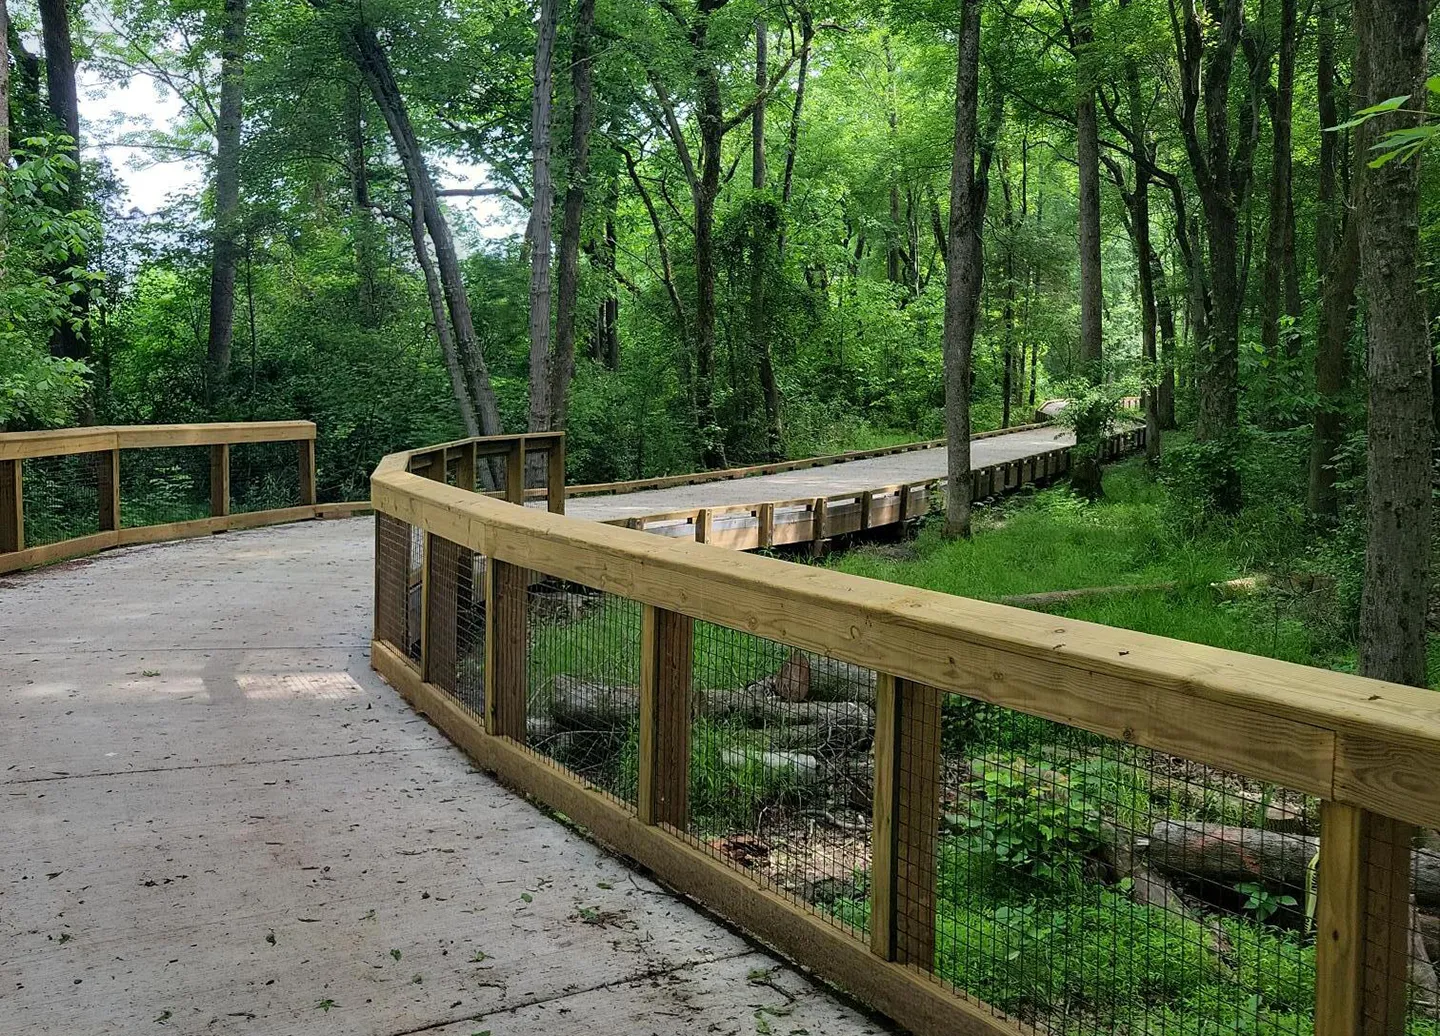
(217, 819)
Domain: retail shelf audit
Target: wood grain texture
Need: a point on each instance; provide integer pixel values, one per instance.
(919, 1004)
(882, 819)
(12, 506)
(916, 822)
(220, 479)
(306, 450)
(506, 672)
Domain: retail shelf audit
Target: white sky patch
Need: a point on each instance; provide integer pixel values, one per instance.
(153, 177)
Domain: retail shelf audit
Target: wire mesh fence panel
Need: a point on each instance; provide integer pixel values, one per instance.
(62, 496)
(781, 773)
(582, 681)
(455, 623)
(264, 476)
(164, 484)
(1082, 884)
(397, 615)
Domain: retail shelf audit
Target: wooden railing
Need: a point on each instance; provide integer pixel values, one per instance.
(101, 449)
(455, 636)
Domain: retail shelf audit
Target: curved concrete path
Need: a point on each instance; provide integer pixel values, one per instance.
(217, 819)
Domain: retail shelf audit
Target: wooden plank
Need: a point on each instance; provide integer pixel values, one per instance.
(883, 811)
(55, 442)
(666, 664)
(466, 473)
(34, 557)
(917, 822)
(506, 615)
(702, 525)
(107, 484)
(220, 479)
(766, 518)
(306, 450)
(12, 506)
(207, 526)
(1362, 944)
(151, 435)
(817, 525)
(555, 477)
(515, 471)
(867, 501)
(916, 1002)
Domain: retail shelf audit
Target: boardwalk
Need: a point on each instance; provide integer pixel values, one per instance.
(218, 820)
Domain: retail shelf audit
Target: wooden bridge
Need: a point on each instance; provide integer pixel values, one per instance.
(219, 820)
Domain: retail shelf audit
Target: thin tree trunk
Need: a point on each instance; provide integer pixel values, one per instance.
(1007, 312)
(792, 143)
(62, 100)
(1280, 277)
(892, 234)
(581, 78)
(543, 194)
(712, 135)
(964, 272)
(1391, 42)
(4, 89)
(759, 247)
(1140, 235)
(1165, 314)
(1085, 472)
(436, 296)
(227, 194)
(1337, 255)
(375, 67)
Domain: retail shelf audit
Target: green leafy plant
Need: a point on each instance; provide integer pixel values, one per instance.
(1260, 901)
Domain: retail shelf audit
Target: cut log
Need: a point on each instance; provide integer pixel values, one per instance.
(804, 768)
(1228, 854)
(823, 737)
(1119, 852)
(758, 708)
(578, 704)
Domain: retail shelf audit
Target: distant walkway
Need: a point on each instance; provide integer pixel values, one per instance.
(824, 481)
(218, 820)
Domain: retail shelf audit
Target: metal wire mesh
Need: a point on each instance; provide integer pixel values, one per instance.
(781, 773)
(164, 484)
(264, 476)
(394, 618)
(1084, 884)
(582, 682)
(1401, 886)
(455, 624)
(62, 497)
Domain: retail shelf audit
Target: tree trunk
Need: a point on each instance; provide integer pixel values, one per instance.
(542, 205)
(1165, 313)
(759, 247)
(1007, 312)
(712, 136)
(4, 86)
(1280, 276)
(792, 143)
(1337, 257)
(1391, 39)
(374, 65)
(436, 297)
(62, 100)
(227, 195)
(1085, 470)
(965, 272)
(581, 78)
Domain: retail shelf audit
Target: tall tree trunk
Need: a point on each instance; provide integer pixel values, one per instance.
(1337, 257)
(892, 234)
(1280, 278)
(1391, 42)
(711, 117)
(4, 86)
(543, 194)
(581, 79)
(1007, 311)
(436, 296)
(1085, 472)
(227, 195)
(63, 102)
(374, 65)
(759, 249)
(792, 141)
(1140, 236)
(1165, 314)
(965, 271)
(366, 235)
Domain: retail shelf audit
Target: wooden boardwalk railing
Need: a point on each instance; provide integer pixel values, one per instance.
(102, 448)
(464, 585)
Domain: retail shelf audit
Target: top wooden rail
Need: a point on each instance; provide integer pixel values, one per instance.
(61, 441)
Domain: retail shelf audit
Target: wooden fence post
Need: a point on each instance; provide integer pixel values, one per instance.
(307, 471)
(667, 651)
(109, 489)
(702, 525)
(220, 479)
(12, 506)
(466, 473)
(906, 821)
(1362, 943)
(515, 472)
(766, 518)
(817, 526)
(867, 501)
(506, 666)
(555, 476)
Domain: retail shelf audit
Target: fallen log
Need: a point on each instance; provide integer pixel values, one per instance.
(757, 708)
(1119, 852)
(805, 676)
(1229, 854)
(804, 769)
(579, 704)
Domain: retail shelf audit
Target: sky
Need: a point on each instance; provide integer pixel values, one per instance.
(108, 111)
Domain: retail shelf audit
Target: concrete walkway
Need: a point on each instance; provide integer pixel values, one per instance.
(217, 819)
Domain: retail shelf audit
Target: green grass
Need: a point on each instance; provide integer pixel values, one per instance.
(1052, 540)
